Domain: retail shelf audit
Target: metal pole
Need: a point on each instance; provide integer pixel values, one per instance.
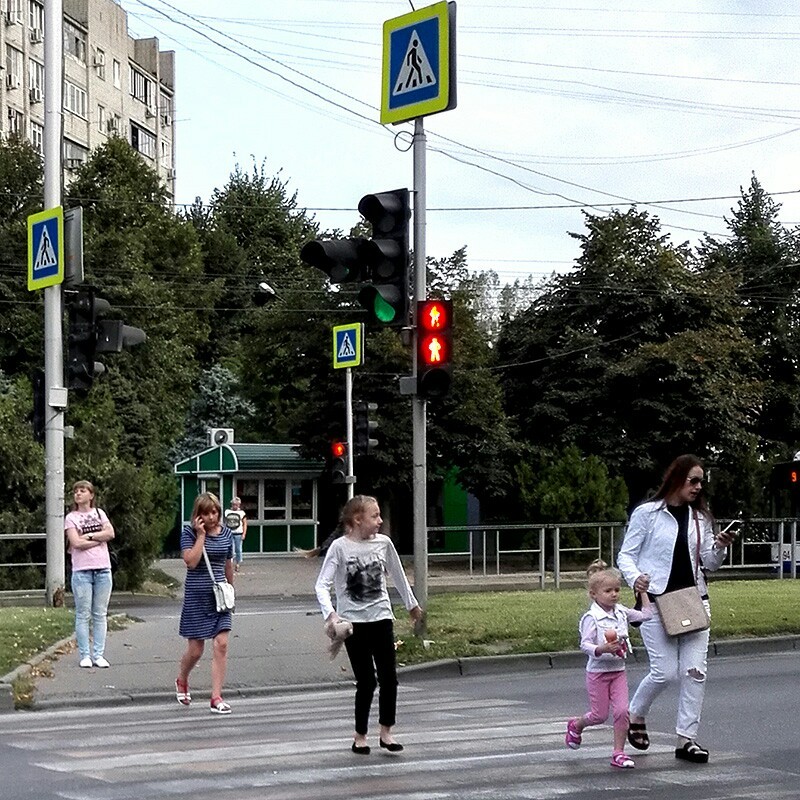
(419, 446)
(55, 393)
(348, 394)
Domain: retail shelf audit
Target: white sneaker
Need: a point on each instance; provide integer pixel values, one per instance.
(86, 662)
(101, 662)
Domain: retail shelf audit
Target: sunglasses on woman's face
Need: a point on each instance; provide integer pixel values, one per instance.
(695, 481)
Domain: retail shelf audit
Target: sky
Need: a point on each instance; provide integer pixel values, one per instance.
(564, 106)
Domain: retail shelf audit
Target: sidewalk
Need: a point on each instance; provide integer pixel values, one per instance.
(277, 643)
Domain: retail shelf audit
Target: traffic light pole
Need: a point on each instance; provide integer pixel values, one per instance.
(419, 444)
(348, 411)
(55, 392)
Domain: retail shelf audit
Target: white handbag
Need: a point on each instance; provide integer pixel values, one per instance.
(224, 594)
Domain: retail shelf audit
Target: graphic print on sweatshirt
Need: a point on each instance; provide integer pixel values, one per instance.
(364, 578)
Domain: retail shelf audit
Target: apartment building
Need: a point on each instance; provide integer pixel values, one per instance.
(113, 84)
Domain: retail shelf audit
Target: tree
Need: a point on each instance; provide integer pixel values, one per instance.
(634, 357)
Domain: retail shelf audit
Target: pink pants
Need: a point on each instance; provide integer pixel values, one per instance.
(607, 689)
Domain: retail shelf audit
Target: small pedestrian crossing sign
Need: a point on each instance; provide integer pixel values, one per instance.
(419, 63)
(45, 249)
(348, 345)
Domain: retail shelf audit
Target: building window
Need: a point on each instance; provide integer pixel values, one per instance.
(114, 125)
(74, 41)
(13, 10)
(75, 99)
(13, 67)
(102, 119)
(100, 63)
(116, 68)
(37, 137)
(16, 122)
(35, 16)
(302, 494)
(35, 75)
(143, 141)
(166, 109)
(141, 88)
(74, 154)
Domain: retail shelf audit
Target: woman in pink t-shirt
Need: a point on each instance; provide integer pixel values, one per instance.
(88, 533)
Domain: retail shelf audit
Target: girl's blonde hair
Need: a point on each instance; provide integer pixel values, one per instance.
(83, 485)
(598, 571)
(353, 507)
(204, 503)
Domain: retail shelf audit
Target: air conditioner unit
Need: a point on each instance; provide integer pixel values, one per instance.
(36, 94)
(172, 173)
(10, 18)
(12, 81)
(36, 35)
(217, 436)
(166, 119)
(149, 112)
(99, 59)
(113, 125)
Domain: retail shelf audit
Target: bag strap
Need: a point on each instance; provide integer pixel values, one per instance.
(208, 564)
(697, 560)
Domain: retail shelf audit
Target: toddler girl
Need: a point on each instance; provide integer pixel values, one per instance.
(604, 638)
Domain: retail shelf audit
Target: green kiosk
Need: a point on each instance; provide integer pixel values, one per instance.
(276, 484)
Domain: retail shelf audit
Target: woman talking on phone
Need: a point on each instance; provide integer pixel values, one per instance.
(200, 619)
(669, 541)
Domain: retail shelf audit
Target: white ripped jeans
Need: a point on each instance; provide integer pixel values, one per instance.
(674, 659)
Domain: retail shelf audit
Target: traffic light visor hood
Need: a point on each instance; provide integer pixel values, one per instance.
(385, 210)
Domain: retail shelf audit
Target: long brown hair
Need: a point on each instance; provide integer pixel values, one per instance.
(675, 477)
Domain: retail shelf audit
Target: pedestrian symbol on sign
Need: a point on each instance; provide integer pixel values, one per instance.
(346, 349)
(46, 255)
(416, 71)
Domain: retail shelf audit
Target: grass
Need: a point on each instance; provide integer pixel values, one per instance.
(476, 624)
(491, 623)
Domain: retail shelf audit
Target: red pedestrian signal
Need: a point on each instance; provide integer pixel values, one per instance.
(434, 347)
(337, 466)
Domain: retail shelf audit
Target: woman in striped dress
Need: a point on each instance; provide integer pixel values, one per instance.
(200, 619)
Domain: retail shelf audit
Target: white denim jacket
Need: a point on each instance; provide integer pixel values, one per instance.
(650, 542)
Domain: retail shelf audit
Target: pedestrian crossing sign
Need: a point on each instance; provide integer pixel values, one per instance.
(348, 345)
(46, 248)
(419, 63)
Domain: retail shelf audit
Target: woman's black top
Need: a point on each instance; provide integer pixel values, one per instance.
(681, 574)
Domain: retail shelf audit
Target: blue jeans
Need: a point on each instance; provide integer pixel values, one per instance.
(237, 548)
(91, 590)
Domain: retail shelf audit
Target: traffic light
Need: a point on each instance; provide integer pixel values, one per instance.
(84, 310)
(338, 461)
(386, 257)
(364, 427)
(89, 335)
(379, 263)
(434, 347)
(339, 259)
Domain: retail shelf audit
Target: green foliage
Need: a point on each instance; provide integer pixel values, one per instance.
(572, 488)
(24, 632)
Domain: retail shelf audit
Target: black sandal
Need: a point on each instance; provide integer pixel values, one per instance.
(691, 751)
(637, 736)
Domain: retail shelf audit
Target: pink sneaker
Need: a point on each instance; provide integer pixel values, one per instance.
(622, 760)
(573, 738)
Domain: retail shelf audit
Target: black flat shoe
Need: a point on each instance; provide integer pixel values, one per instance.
(362, 751)
(392, 747)
(691, 751)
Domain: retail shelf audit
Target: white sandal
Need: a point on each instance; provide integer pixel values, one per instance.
(219, 706)
(182, 693)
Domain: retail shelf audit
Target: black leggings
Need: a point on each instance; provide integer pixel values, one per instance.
(371, 648)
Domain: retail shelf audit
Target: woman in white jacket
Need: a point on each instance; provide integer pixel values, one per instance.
(659, 554)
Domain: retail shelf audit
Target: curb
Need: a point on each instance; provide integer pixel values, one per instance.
(447, 668)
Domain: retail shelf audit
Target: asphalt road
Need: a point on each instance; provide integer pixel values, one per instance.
(487, 737)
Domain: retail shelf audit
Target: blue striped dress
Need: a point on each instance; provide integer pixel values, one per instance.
(199, 616)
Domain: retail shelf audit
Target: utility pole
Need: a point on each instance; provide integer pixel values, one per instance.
(418, 404)
(55, 391)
